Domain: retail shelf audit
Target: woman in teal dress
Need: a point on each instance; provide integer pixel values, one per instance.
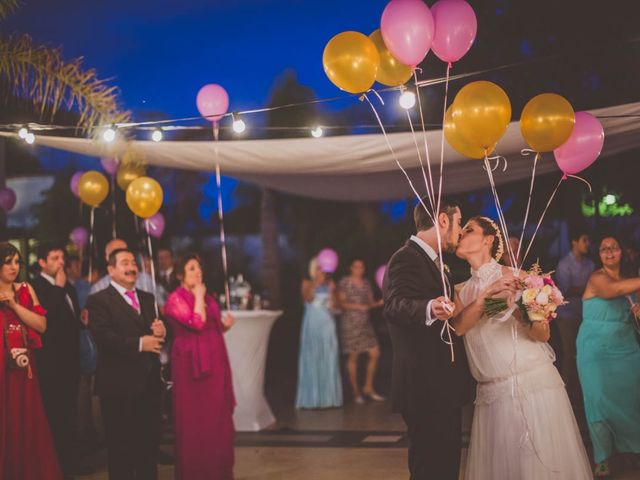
(319, 381)
(609, 359)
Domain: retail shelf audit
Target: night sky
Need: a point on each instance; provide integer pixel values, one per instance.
(161, 52)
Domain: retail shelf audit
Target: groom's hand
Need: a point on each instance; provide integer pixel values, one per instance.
(442, 308)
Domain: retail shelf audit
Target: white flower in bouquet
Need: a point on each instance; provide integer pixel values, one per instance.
(529, 296)
(542, 298)
(547, 289)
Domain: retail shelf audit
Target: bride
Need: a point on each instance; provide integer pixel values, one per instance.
(523, 426)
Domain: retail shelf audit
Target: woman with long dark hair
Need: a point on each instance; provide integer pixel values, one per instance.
(203, 399)
(609, 358)
(26, 445)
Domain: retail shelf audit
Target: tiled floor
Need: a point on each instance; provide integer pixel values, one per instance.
(356, 442)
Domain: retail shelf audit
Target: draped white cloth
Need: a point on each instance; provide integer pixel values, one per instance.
(523, 425)
(350, 167)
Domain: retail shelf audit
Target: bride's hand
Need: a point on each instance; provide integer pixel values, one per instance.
(505, 287)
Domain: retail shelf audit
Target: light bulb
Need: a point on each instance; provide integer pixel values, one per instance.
(23, 132)
(239, 126)
(109, 135)
(30, 138)
(317, 132)
(407, 100)
(156, 136)
(609, 199)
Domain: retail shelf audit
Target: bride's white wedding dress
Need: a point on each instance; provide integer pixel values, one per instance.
(523, 425)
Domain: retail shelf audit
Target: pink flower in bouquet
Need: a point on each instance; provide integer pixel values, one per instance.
(534, 281)
(557, 296)
(547, 281)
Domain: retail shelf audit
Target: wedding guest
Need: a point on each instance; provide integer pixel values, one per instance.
(27, 451)
(86, 427)
(572, 275)
(59, 357)
(514, 243)
(356, 333)
(609, 358)
(165, 275)
(319, 381)
(202, 389)
(123, 323)
(143, 281)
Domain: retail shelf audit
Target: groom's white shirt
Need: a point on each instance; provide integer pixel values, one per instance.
(432, 255)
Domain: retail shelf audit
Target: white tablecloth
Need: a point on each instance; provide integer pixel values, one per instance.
(247, 343)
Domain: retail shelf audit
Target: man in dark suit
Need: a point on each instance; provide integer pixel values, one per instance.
(428, 388)
(129, 337)
(59, 358)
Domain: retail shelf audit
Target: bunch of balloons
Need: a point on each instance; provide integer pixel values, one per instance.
(408, 30)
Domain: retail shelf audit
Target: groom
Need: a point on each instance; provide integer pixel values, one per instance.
(428, 389)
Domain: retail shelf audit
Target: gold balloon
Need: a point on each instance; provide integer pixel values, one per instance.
(547, 122)
(482, 112)
(351, 61)
(128, 172)
(458, 142)
(93, 188)
(390, 72)
(144, 197)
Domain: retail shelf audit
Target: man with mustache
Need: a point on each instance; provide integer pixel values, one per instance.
(129, 338)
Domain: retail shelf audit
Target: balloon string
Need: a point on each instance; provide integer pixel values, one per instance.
(223, 242)
(426, 183)
(147, 227)
(113, 207)
(581, 179)
(426, 146)
(91, 223)
(501, 218)
(544, 212)
(395, 157)
(526, 215)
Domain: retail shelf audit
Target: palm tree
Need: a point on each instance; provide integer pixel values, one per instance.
(41, 74)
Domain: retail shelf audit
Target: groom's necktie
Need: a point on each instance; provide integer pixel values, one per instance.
(134, 301)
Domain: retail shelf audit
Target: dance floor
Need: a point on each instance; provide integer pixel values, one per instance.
(355, 442)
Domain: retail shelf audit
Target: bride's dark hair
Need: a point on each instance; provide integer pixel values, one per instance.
(489, 227)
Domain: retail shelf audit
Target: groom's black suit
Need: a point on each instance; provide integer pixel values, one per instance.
(427, 388)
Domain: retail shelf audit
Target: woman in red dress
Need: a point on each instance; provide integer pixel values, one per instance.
(26, 446)
(203, 398)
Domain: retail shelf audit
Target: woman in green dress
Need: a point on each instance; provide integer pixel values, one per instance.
(609, 358)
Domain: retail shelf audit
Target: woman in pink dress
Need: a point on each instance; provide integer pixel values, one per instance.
(26, 445)
(203, 398)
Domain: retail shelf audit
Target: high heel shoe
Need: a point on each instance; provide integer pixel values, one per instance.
(374, 396)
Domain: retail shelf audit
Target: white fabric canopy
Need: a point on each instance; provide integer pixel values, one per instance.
(354, 167)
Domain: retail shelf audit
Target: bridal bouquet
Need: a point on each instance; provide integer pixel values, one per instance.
(538, 297)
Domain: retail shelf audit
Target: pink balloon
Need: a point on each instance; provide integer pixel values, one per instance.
(7, 199)
(73, 184)
(455, 29)
(155, 225)
(328, 260)
(583, 146)
(212, 102)
(407, 30)
(380, 275)
(79, 236)
(110, 165)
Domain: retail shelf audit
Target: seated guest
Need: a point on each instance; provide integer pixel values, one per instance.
(27, 451)
(129, 337)
(59, 357)
(202, 390)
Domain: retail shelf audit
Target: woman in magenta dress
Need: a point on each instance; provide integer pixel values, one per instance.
(203, 398)
(26, 445)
